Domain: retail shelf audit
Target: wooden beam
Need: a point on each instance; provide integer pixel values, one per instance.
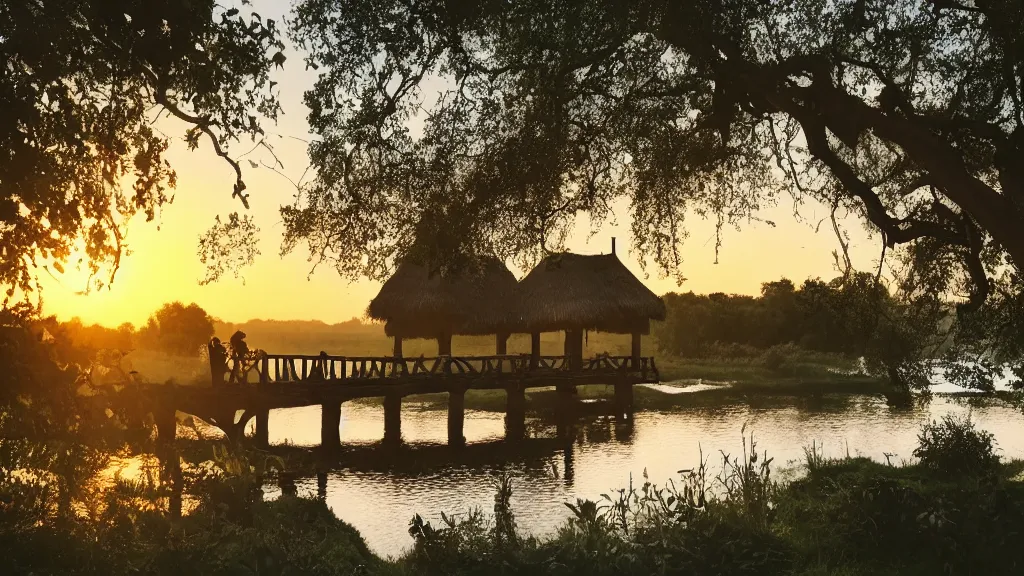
(635, 357)
(501, 343)
(534, 349)
(398, 347)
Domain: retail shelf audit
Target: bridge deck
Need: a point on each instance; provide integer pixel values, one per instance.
(282, 381)
(287, 380)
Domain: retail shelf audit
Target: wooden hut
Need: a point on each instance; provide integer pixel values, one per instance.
(573, 292)
(417, 302)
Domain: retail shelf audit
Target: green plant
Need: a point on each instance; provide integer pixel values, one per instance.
(954, 445)
(748, 483)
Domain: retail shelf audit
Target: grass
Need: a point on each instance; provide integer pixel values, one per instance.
(782, 369)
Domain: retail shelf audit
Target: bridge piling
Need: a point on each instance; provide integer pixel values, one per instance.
(170, 467)
(456, 416)
(393, 418)
(624, 399)
(166, 426)
(515, 411)
(330, 425)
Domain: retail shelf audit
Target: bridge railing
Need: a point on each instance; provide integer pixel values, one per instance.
(326, 367)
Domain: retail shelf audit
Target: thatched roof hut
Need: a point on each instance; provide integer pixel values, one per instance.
(577, 292)
(419, 303)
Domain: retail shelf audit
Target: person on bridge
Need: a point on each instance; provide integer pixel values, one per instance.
(239, 353)
(218, 360)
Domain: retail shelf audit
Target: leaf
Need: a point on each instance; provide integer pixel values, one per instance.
(231, 12)
(253, 164)
(278, 59)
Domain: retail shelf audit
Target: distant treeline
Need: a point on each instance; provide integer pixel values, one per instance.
(183, 330)
(839, 316)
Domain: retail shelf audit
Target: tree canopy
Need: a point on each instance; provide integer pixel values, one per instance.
(177, 329)
(907, 112)
(81, 85)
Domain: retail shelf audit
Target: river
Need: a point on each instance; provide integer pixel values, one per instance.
(378, 490)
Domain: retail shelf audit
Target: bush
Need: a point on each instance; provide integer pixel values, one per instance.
(955, 446)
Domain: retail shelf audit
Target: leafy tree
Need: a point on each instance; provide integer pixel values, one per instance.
(907, 112)
(853, 315)
(178, 329)
(81, 84)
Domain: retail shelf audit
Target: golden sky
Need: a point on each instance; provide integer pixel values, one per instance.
(163, 265)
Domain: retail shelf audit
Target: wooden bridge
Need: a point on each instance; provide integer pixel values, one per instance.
(271, 381)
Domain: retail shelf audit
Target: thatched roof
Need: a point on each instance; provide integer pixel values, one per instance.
(573, 291)
(418, 303)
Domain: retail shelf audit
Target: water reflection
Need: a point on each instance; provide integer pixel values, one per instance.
(378, 489)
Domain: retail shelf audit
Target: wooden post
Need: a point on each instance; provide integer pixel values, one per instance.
(568, 464)
(624, 399)
(501, 343)
(166, 425)
(330, 425)
(456, 416)
(170, 466)
(574, 349)
(515, 411)
(444, 345)
(534, 350)
(321, 484)
(635, 359)
(398, 347)
(264, 370)
(262, 428)
(393, 418)
(564, 408)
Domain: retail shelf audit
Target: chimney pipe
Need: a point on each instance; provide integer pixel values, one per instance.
(613, 244)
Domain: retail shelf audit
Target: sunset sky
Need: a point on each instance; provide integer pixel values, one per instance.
(163, 265)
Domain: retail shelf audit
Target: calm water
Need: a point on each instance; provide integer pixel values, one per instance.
(379, 490)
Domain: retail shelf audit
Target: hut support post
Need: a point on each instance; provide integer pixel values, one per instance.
(501, 344)
(515, 411)
(262, 437)
(534, 350)
(574, 349)
(398, 347)
(456, 416)
(444, 345)
(330, 425)
(393, 418)
(634, 360)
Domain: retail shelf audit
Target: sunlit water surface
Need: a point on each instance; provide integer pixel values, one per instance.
(378, 491)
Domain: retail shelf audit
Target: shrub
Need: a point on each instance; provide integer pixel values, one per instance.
(956, 446)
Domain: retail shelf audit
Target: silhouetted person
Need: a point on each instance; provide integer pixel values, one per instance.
(239, 352)
(218, 360)
(319, 369)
